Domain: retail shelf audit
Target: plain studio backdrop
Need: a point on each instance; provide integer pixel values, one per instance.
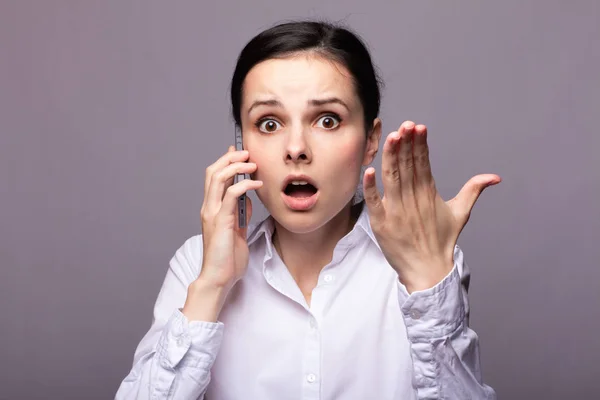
(110, 111)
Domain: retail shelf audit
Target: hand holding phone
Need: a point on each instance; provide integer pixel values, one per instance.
(225, 251)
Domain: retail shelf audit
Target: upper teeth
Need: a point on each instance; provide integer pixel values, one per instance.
(299, 183)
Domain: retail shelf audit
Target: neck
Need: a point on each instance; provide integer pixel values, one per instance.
(306, 254)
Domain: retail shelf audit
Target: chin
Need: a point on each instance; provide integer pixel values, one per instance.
(304, 221)
(300, 223)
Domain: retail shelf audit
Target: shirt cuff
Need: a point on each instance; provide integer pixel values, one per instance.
(433, 313)
(193, 344)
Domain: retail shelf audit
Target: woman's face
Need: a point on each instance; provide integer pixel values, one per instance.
(301, 115)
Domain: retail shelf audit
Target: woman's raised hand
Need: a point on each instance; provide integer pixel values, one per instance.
(416, 229)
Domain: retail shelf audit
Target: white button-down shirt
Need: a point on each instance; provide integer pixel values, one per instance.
(362, 336)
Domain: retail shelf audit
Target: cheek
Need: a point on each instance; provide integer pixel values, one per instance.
(346, 162)
(262, 161)
(350, 156)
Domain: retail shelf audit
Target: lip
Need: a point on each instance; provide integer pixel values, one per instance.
(300, 177)
(300, 203)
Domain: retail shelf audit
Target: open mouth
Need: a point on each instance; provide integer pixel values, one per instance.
(300, 192)
(300, 189)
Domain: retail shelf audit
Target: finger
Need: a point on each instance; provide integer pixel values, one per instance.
(222, 180)
(231, 156)
(390, 171)
(372, 197)
(405, 159)
(229, 205)
(423, 176)
(463, 202)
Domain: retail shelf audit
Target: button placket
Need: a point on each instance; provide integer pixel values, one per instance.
(313, 324)
(311, 359)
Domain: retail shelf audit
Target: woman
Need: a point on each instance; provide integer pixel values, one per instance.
(327, 298)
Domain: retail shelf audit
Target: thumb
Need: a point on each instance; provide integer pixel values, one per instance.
(463, 202)
(372, 197)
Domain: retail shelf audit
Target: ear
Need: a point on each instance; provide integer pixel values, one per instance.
(372, 145)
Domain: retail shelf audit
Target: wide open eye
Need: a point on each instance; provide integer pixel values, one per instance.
(267, 125)
(329, 121)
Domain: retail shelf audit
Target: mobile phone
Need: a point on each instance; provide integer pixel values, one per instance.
(241, 203)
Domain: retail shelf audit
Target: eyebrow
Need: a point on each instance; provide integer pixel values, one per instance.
(314, 103)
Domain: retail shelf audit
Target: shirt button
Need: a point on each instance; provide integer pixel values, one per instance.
(310, 378)
(414, 314)
(419, 379)
(313, 324)
(328, 278)
(180, 341)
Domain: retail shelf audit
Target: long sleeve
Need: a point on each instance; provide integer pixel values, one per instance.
(174, 358)
(445, 351)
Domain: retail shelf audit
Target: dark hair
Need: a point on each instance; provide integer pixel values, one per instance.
(331, 41)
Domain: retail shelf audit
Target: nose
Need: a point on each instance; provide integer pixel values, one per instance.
(297, 149)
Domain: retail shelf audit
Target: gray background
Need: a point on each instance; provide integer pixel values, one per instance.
(111, 110)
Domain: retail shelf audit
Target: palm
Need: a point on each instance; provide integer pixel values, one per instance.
(416, 229)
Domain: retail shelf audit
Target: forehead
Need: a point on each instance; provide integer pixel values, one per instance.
(300, 77)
